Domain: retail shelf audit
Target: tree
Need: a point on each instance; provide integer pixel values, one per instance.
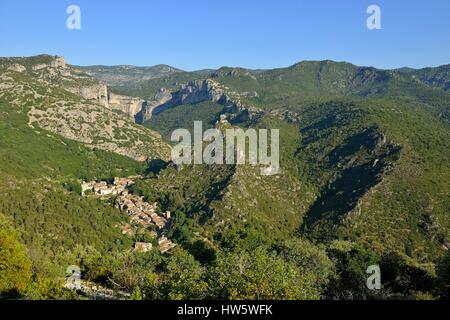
(45, 288)
(308, 258)
(259, 274)
(203, 251)
(403, 278)
(137, 295)
(15, 265)
(182, 277)
(351, 261)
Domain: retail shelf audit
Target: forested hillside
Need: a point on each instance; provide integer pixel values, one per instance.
(364, 180)
(363, 159)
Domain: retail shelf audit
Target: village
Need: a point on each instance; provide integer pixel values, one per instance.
(140, 212)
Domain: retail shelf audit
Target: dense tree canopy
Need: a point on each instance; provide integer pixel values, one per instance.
(15, 265)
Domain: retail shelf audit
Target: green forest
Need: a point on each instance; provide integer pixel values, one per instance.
(364, 181)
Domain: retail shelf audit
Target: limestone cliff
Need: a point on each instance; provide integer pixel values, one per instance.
(66, 101)
(100, 93)
(93, 91)
(128, 105)
(200, 91)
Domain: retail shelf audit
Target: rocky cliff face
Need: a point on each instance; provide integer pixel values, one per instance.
(196, 92)
(58, 62)
(76, 81)
(189, 93)
(92, 91)
(100, 93)
(128, 105)
(66, 101)
(17, 68)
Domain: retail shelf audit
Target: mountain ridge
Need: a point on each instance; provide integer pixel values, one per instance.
(363, 177)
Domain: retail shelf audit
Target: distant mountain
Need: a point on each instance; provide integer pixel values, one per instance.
(307, 82)
(124, 74)
(321, 77)
(435, 77)
(405, 70)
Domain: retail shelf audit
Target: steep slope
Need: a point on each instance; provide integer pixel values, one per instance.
(150, 88)
(62, 100)
(438, 77)
(355, 151)
(183, 116)
(364, 162)
(363, 155)
(312, 81)
(50, 140)
(40, 173)
(286, 88)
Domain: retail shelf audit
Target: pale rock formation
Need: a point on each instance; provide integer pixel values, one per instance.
(129, 105)
(196, 92)
(97, 92)
(17, 68)
(142, 247)
(100, 93)
(58, 62)
(163, 95)
(39, 66)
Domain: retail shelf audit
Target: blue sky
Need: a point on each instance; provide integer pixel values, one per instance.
(201, 34)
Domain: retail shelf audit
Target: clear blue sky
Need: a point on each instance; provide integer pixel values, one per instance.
(200, 34)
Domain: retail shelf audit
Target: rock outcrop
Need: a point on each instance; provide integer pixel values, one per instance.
(196, 92)
(79, 83)
(17, 68)
(54, 62)
(128, 105)
(58, 62)
(76, 107)
(99, 93)
(191, 93)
